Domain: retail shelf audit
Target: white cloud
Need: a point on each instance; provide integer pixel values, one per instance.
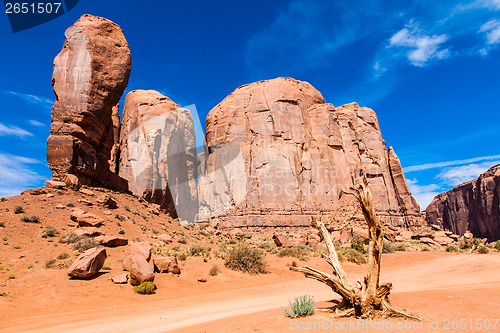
(478, 4)
(461, 174)
(424, 47)
(36, 123)
(15, 175)
(491, 29)
(13, 130)
(424, 194)
(427, 166)
(33, 99)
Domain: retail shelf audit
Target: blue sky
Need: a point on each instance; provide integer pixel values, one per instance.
(429, 69)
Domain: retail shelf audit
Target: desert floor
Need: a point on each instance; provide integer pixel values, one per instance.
(439, 286)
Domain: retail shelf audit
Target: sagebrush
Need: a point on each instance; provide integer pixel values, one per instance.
(301, 306)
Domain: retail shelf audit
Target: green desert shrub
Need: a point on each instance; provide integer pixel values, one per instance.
(49, 263)
(482, 249)
(214, 270)
(18, 210)
(401, 247)
(497, 245)
(145, 288)
(388, 247)
(182, 240)
(358, 243)
(198, 250)
(63, 255)
(301, 306)
(451, 248)
(294, 252)
(246, 259)
(3, 199)
(84, 243)
(31, 219)
(351, 255)
(69, 238)
(49, 231)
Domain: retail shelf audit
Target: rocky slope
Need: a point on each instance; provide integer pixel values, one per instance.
(473, 206)
(90, 75)
(158, 152)
(278, 154)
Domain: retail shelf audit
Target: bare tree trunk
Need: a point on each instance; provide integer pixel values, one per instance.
(367, 298)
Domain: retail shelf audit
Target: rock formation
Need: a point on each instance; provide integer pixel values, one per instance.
(277, 155)
(473, 206)
(158, 152)
(90, 75)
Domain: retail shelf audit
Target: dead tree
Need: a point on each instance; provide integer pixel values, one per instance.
(367, 298)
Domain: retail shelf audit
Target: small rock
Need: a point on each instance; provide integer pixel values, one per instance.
(54, 184)
(468, 235)
(165, 238)
(203, 280)
(88, 263)
(120, 279)
(85, 202)
(282, 241)
(436, 227)
(166, 265)
(87, 192)
(428, 240)
(87, 232)
(112, 241)
(108, 202)
(49, 195)
(85, 219)
(60, 206)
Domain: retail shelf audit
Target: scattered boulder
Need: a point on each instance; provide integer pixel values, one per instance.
(54, 184)
(87, 232)
(85, 219)
(88, 263)
(112, 241)
(86, 202)
(87, 192)
(428, 240)
(468, 235)
(120, 279)
(139, 269)
(166, 265)
(165, 238)
(282, 241)
(59, 206)
(142, 248)
(108, 202)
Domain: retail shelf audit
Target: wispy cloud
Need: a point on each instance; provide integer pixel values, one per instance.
(458, 175)
(13, 130)
(491, 32)
(424, 194)
(427, 166)
(16, 175)
(33, 99)
(36, 123)
(423, 47)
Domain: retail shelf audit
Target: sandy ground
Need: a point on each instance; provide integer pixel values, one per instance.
(437, 285)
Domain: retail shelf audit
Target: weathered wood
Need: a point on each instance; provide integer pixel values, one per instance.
(367, 299)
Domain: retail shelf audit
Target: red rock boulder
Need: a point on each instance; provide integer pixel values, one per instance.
(88, 263)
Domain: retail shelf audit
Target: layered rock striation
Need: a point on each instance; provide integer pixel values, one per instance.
(277, 154)
(89, 77)
(473, 206)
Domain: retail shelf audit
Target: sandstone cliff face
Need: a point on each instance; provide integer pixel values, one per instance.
(277, 154)
(90, 75)
(473, 206)
(158, 152)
